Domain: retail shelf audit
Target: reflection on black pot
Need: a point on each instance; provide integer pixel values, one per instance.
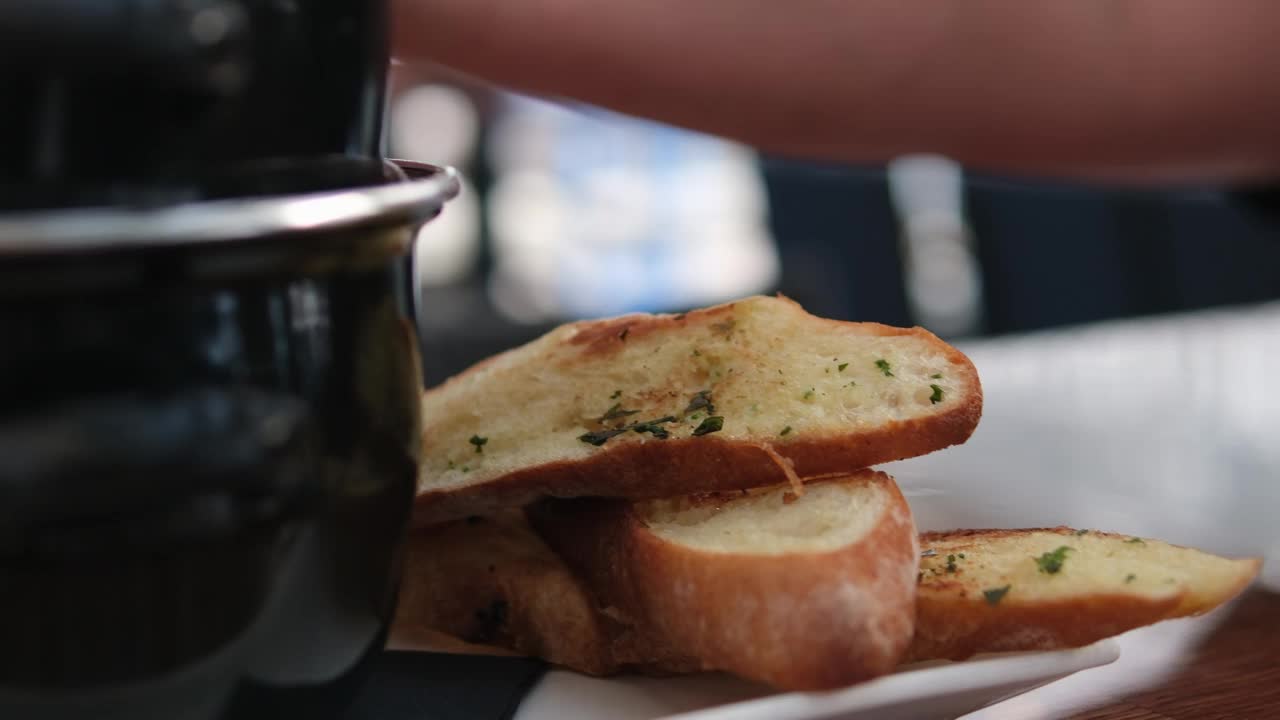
(204, 478)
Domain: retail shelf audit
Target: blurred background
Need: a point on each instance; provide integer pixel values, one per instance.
(571, 212)
(1126, 338)
(1128, 341)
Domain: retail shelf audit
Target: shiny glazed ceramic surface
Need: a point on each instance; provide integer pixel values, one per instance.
(207, 460)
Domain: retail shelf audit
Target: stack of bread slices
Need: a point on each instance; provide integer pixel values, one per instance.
(680, 493)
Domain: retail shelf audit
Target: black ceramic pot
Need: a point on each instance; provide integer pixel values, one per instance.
(208, 446)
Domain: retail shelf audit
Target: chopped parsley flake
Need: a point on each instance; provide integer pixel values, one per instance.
(785, 431)
(1135, 541)
(852, 384)
(616, 412)
(1051, 562)
(616, 394)
(701, 401)
(951, 563)
(601, 437)
(936, 376)
(936, 397)
(696, 353)
(808, 394)
(1078, 533)
(841, 367)
(710, 425)
(1130, 578)
(654, 427)
(884, 367)
(961, 556)
(478, 442)
(995, 595)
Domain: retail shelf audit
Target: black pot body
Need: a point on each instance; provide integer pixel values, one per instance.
(207, 462)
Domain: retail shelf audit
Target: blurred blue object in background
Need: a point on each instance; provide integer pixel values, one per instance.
(593, 214)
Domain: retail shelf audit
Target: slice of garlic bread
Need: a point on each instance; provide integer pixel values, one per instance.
(492, 582)
(1043, 589)
(799, 592)
(650, 406)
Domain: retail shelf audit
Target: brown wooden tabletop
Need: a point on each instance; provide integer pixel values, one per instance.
(1224, 665)
(1234, 672)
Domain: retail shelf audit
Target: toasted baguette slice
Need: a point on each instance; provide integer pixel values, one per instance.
(494, 581)
(997, 590)
(551, 418)
(491, 584)
(801, 593)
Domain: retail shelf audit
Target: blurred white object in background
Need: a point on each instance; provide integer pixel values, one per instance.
(942, 275)
(524, 235)
(448, 247)
(597, 214)
(434, 123)
(441, 125)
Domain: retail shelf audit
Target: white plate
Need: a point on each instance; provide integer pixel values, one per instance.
(929, 690)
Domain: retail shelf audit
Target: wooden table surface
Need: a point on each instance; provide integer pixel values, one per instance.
(1234, 672)
(1224, 666)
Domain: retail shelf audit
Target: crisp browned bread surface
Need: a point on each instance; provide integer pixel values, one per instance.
(652, 406)
(459, 573)
(1045, 589)
(493, 582)
(800, 593)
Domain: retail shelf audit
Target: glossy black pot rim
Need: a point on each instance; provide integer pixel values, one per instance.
(420, 194)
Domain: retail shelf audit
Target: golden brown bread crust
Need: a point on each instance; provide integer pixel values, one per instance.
(679, 466)
(951, 626)
(457, 572)
(955, 621)
(492, 583)
(797, 621)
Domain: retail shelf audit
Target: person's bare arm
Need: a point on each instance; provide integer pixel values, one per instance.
(1109, 89)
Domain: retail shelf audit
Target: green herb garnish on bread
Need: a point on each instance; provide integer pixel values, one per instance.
(802, 591)
(788, 590)
(651, 406)
(1045, 589)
